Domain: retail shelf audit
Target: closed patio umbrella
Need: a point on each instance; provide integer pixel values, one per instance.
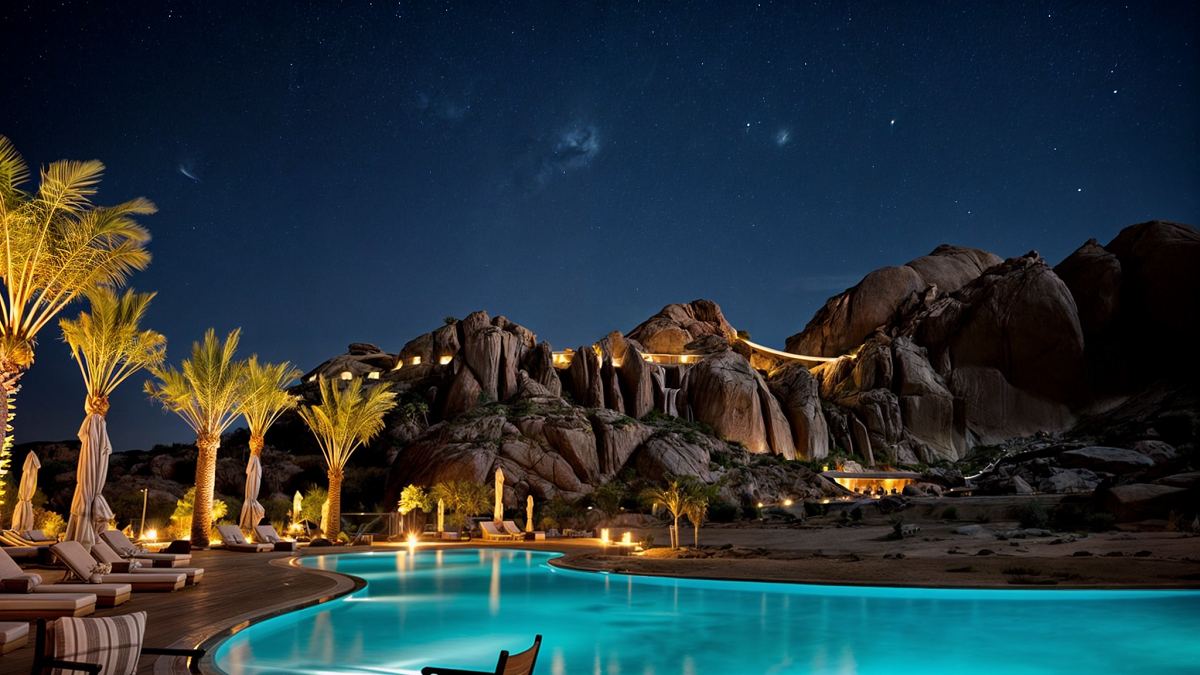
(252, 511)
(529, 513)
(23, 515)
(297, 506)
(441, 516)
(89, 511)
(498, 515)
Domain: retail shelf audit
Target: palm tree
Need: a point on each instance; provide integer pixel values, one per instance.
(463, 498)
(695, 507)
(109, 347)
(673, 499)
(205, 395)
(54, 245)
(344, 420)
(264, 397)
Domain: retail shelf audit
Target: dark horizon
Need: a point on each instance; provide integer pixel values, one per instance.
(335, 175)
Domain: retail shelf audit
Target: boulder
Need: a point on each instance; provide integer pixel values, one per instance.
(1099, 458)
(587, 387)
(481, 350)
(726, 393)
(1144, 501)
(617, 436)
(1063, 481)
(636, 383)
(1159, 452)
(880, 298)
(926, 404)
(464, 393)
(797, 392)
(1093, 275)
(574, 439)
(667, 456)
(670, 331)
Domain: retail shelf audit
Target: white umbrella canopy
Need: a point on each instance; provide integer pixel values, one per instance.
(297, 506)
(529, 513)
(90, 513)
(252, 511)
(23, 515)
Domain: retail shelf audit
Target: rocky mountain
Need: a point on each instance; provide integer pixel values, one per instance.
(926, 362)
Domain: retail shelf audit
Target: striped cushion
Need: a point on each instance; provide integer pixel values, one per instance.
(114, 642)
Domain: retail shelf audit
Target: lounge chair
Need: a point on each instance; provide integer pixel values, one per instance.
(29, 606)
(490, 533)
(13, 635)
(37, 537)
(233, 540)
(118, 542)
(112, 645)
(82, 566)
(267, 534)
(102, 552)
(20, 547)
(516, 664)
(15, 581)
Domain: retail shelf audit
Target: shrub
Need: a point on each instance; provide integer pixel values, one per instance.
(856, 513)
(950, 513)
(49, 522)
(722, 512)
(751, 512)
(1032, 514)
(814, 509)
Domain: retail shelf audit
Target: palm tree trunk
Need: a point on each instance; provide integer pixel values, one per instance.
(335, 504)
(696, 544)
(8, 385)
(675, 534)
(256, 445)
(206, 478)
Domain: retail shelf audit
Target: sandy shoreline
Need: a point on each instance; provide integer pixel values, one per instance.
(935, 557)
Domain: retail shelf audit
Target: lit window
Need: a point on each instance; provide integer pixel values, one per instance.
(374, 375)
(347, 375)
(416, 360)
(445, 359)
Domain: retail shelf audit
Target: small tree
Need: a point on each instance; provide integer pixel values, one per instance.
(462, 498)
(204, 395)
(344, 420)
(264, 398)
(695, 507)
(412, 498)
(673, 499)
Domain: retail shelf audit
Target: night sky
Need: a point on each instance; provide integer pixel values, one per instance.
(329, 173)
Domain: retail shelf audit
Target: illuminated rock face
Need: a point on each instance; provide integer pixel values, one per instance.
(847, 319)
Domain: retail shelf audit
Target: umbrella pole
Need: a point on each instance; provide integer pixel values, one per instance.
(142, 527)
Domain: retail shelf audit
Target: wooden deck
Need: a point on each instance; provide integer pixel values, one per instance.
(237, 588)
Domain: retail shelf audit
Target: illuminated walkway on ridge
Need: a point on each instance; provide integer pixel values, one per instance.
(564, 358)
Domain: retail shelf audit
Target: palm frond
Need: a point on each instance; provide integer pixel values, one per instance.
(264, 396)
(108, 344)
(205, 392)
(347, 417)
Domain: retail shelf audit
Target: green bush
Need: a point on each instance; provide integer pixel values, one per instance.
(950, 513)
(1032, 514)
(722, 512)
(751, 512)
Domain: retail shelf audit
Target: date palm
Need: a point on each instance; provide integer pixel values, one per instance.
(346, 418)
(205, 394)
(109, 346)
(54, 245)
(673, 498)
(264, 397)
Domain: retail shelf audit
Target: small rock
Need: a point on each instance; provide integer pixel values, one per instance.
(1142, 554)
(1082, 554)
(969, 530)
(1113, 554)
(986, 551)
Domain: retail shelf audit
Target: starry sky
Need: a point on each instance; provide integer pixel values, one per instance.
(329, 173)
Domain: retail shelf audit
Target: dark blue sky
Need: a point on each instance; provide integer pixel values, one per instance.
(329, 173)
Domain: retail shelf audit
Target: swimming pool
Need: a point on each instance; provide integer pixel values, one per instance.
(461, 607)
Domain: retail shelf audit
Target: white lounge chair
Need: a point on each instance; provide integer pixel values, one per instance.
(20, 581)
(29, 606)
(84, 567)
(491, 533)
(267, 534)
(118, 542)
(37, 537)
(13, 635)
(232, 539)
(102, 552)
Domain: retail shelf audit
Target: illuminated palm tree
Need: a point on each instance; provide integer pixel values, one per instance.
(264, 398)
(463, 498)
(109, 346)
(673, 498)
(54, 245)
(695, 507)
(345, 419)
(205, 395)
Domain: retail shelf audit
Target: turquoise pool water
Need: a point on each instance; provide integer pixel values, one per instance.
(460, 608)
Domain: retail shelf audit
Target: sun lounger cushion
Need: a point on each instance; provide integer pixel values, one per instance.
(233, 540)
(38, 537)
(26, 606)
(114, 642)
(13, 635)
(103, 553)
(117, 540)
(266, 533)
(88, 569)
